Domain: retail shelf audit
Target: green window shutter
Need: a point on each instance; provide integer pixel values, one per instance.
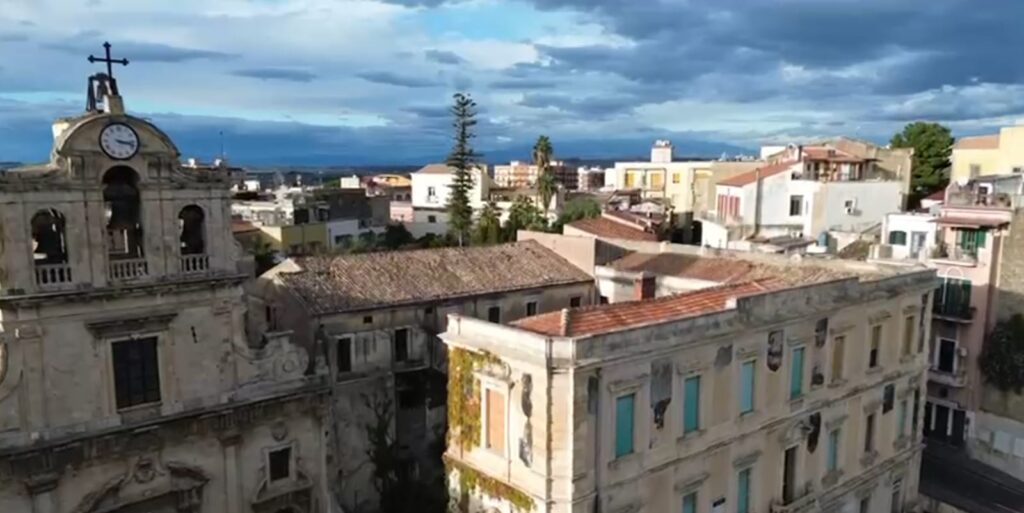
(796, 374)
(747, 387)
(832, 457)
(743, 491)
(691, 404)
(624, 425)
(690, 503)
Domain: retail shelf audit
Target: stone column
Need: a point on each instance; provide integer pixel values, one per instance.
(40, 488)
(232, 482)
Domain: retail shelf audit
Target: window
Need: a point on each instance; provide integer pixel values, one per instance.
(796, 204)
(575, 301)
(675, 177)
(494, 314)
(743, 491)
(603, 300)
(869, 433)
(344, 355)
(691, 404)
(1018, 170)
(624, 425)
(838, 351)
(690, 503)
(789, 475)
(271, 317)
(865, 505)
(531, 308)
(49, 243)
(820, 331)
(401, 345)
(888, 398)
(947, 355)
(970, 241)
(913, 414)
(953, 298)
(431, 192)
(428, 310)
(136, 372)
(898, 238)
(832, 454)
(123, 209)
(901, 419)
(431, 219)
(796, 374)
(747, 387)
(908, 334)
(367, 319)
(896, 506)
(495, 421)
(975, 170)
(876, 342)
(280, 463)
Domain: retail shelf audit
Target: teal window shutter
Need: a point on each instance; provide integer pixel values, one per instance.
(747, 387)
(690, 503)
(743, 491)
(796, 374)
(691, 404)
(832, 457)
(624, 425)
(901, 428)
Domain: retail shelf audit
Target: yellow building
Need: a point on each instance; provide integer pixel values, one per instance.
(995, 154)
(299, 239)
(392, 180)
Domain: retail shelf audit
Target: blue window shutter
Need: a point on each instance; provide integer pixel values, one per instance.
(747, 387)
(796, 374)
(690, 503)
(691, 404)
(624, 425)
(743, 491)
(902, 426)
(833, 451)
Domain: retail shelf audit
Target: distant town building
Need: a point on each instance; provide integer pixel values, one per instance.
(780, 391)
(1001, 153)
(519, 174)
(590, 179)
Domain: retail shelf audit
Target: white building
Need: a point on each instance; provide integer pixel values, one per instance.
(805, 193)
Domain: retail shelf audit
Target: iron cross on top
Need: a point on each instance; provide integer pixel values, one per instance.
(108, 60)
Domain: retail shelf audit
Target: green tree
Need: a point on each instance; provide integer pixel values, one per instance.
(576, 209)
(396, 236)
(933, 145)
(524, 215)
(462, 160)
(488, 227)
(546, 186)
(1002, 359)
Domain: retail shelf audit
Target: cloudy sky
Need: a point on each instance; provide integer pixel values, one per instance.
(369, 81)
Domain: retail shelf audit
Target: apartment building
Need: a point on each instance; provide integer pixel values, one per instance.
(803, 192)
(519, 174)
(786, 393)
(1001, 153)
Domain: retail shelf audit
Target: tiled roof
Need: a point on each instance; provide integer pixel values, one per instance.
(977, 142)
(723, 268)
(340, 283)
(434, 169)
(242, 227)
(617, 316)
(751, 176)
(602, 227)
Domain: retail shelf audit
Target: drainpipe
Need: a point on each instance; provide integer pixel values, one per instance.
(547, 439)
(757, 201)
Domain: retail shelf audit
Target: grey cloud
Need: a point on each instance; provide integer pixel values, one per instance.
(138, 51)
(394, 79)
(290, 75)
(595, 106)
(523, 84)
(443, 57)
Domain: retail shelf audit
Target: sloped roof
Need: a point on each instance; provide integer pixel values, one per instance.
(751, 176)
(617, 316)
(341, 283)
(828, 153)
(977, 142)
(602, 227)
(723, 269)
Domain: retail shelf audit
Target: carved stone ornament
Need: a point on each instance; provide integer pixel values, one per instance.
(181, 484)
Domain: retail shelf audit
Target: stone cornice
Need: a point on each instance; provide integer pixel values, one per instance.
(127, 291)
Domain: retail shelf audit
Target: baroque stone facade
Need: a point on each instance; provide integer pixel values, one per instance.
(126, 379)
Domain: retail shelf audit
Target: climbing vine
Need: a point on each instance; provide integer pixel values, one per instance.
(470, 479)
(464, 396)
(1002, 359)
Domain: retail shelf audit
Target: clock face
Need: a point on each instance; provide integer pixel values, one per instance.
(119, 141)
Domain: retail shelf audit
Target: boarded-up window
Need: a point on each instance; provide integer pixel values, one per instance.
(495, 421)
(838, 351)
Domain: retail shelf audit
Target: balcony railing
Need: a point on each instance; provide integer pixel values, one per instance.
(955, 254)
(48, 275)
(722, 219)
(956, 379)
(954, 310)
(128, 269)
(191, 264)
(805, 501)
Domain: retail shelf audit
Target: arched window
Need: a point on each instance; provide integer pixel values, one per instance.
(898, 238)
(192, 230)
(48, 243)
(123, 213)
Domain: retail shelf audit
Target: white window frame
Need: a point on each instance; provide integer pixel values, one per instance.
(503, 388)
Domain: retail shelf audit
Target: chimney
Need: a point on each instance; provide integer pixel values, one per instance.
(564, 322)
(644, 286)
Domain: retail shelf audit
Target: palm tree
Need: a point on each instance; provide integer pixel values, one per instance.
(546, 186)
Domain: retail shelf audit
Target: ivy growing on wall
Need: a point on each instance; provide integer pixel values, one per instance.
(1002, 359)
(470, 479)
(464, 397)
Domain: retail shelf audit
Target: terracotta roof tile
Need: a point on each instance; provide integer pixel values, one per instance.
(341, 283)
(723, 268)
(977, 142)
(832, 154)
(617, 316)
(751, 176)
(603, 227)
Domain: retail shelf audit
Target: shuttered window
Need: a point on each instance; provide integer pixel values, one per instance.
(495, 421)
(691, 404)
(743, 491)
(690, 503)
(136, 372)
(624, 425)
(796, 374)
(747, 387)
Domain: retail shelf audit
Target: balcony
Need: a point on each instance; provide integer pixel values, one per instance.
(807, 501)
(954, 311)
(955, 255)
(52, 275)
(194, 264)
(957, 379)
(128, 269)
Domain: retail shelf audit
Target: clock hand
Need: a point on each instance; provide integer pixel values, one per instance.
(122, 141)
